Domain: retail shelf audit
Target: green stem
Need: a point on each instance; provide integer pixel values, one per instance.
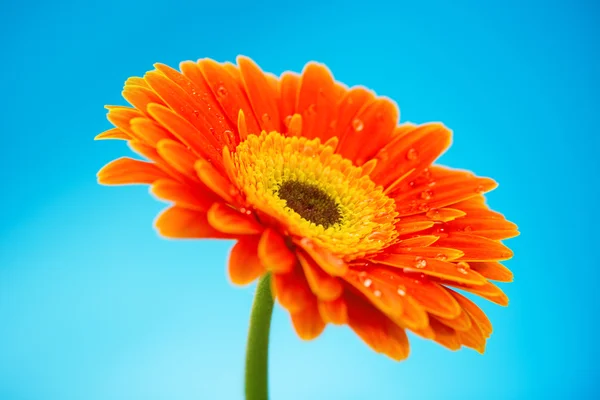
(257, 348)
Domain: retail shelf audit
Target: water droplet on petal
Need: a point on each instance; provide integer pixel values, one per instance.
(401, 290)
(266, 117)
(357, 125)
(462, 267)
(426, 194)
(441, 256)
(312, 109)
(221, 91)
(412, 154)
(479, 189)
(468, 229)
(377, 293)
(423, 207)
(367, 282)
(420, 262)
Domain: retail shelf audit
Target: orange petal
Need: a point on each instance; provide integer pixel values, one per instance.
(475, 312)
(274, 252)
(261, 94)
(127, 171)
(331, 264)
(316, 101)
(308, 322)
(444, 214)
(228, 92)
(377, 330)
(460, 323)
(373, 127)
(473, 337)
(432, 297)
(140, 97)
(181, 194)
(496, 229)
(413, 147)
(438, 187)
(445, 335)
(215, 181)
(324, 286)
(244, 264)
(148, 131)
(346, 125)
(179, 157)
(405, 227)
(228, 220)
(417, 241)
(440, 253)
(431, 267)
(288, 88)
(206, 113)
(202, 144)
(335, 311)
(182, 223)
(122, 116)
(476, 248)
(114, 133)
(489, 291)
(151, 154)
(493, 271)
(292, 290)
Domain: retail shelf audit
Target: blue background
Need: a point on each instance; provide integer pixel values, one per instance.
(93, 305)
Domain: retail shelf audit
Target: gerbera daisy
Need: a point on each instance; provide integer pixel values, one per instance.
(324, 192)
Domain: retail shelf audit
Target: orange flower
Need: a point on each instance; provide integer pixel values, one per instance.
(320, 187)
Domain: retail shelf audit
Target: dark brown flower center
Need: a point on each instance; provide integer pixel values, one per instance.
(311, 202)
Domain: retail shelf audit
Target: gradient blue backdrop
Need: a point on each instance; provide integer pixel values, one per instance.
(93, 305)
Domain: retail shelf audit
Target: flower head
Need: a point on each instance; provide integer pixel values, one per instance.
(321, 187)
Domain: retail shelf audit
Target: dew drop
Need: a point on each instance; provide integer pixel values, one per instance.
(196, 112)
(420, 262)
(468, 229)
(411, 184)
(367, 282)
(312, 109)
(479, 189)
(412, 154)
(287, 120)
(441, 257)
(383, 154)
(357, 125)
(423, 207)
(377, 293)
(433, 214)
(266, 117)
(426, 194)
(221, 91)
(401, 290)
(362, 274)
(462, 267)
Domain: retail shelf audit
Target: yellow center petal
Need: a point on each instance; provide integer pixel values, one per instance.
(315, 193)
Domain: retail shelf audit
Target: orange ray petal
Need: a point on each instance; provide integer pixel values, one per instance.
(413, 147)
(215, 181)
(140, 97)
(440, 253)
(261, 94)
(274, 252)
(473, 337)
(377, 330)
(127, 171)
(206, 113)
(377, 122)
(182, 223)
(228, 220)
(179, 157)
(417, 241)
(292, 290)
(316, 101)
(335, 311)
(148, 131)
(330, 263)
(493, 271)
(444, 214)
(150, 153)
(475, 312)
(460, 323)
(308, 322)
(136, 81)
(113, 133)
(228, 92)
(323, 285)
(438, 187)
(405, 227)
(445, 335)
(489, 291)
(244, 264)
(122, 116)
(476, 248)
(496, 229)
(431, 267)
(346, 125)
(181, 194)
(288, 89)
